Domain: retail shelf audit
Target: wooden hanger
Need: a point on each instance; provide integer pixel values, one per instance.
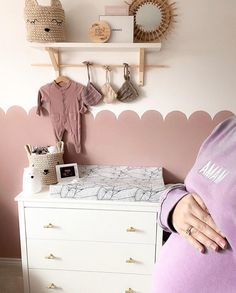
(62, 78)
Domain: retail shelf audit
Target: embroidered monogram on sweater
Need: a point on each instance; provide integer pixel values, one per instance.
(213, 172)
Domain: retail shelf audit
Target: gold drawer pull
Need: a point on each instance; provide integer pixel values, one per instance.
(50, 256)
(130, 260)
(52, 286)
(131, 229)
(49, 226)
(129, 291)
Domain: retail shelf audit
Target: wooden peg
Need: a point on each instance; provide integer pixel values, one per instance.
(107, 67)
(88, 63)
(141, 66)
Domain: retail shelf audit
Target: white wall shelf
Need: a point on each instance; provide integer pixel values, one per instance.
(126, 46)
(54, 50)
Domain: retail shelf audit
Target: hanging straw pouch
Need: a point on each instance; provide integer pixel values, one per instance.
(127, 92)
(44, 23)
(91, 94)
(46, 163)
(109, 95)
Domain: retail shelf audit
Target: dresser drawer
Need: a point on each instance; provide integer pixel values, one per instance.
(86, 282)
(91, 225)
(91, 256)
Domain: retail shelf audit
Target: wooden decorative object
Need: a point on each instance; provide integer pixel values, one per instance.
(167, 18)
(100, 32)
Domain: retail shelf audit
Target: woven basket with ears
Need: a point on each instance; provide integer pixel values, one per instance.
(44, 23)
(46, 163)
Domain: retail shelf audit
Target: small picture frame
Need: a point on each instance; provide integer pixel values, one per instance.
(67, 172)
(122, 28)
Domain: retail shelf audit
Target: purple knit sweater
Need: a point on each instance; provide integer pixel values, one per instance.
(180, 268)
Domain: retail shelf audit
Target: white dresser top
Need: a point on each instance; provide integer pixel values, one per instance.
(43, 199)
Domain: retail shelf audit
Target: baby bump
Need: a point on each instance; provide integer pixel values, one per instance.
(180, 268)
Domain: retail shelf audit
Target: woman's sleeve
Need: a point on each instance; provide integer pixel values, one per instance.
(169, 198)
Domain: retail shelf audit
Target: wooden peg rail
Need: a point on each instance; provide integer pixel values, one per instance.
(54, 54)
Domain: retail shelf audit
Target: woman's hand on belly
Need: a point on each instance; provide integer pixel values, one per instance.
(192, 220)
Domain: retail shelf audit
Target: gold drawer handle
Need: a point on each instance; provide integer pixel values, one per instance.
(131, 229)
(52, 286)
(49, 226)
(130, 260)
(129, 291)
(50, 256)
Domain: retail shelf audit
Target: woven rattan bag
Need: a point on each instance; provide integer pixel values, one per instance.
(46, 164)
(44, 23)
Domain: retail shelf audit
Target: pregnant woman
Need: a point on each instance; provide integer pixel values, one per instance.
(200, 254)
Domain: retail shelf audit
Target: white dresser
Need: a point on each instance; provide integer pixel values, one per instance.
(75, 246)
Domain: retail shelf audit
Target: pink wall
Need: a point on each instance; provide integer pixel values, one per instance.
(172, 142)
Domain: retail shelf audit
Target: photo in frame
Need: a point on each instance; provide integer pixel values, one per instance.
(67, 172)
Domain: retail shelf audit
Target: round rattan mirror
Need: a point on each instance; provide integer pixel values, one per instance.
(152, 19)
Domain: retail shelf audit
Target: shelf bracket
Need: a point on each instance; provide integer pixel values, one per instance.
(141, 66)
(55, 59)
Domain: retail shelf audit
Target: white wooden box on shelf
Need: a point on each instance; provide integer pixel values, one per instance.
(54, 50)
(75, 246)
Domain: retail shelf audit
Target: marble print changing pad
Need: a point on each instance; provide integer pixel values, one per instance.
(113, 183)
